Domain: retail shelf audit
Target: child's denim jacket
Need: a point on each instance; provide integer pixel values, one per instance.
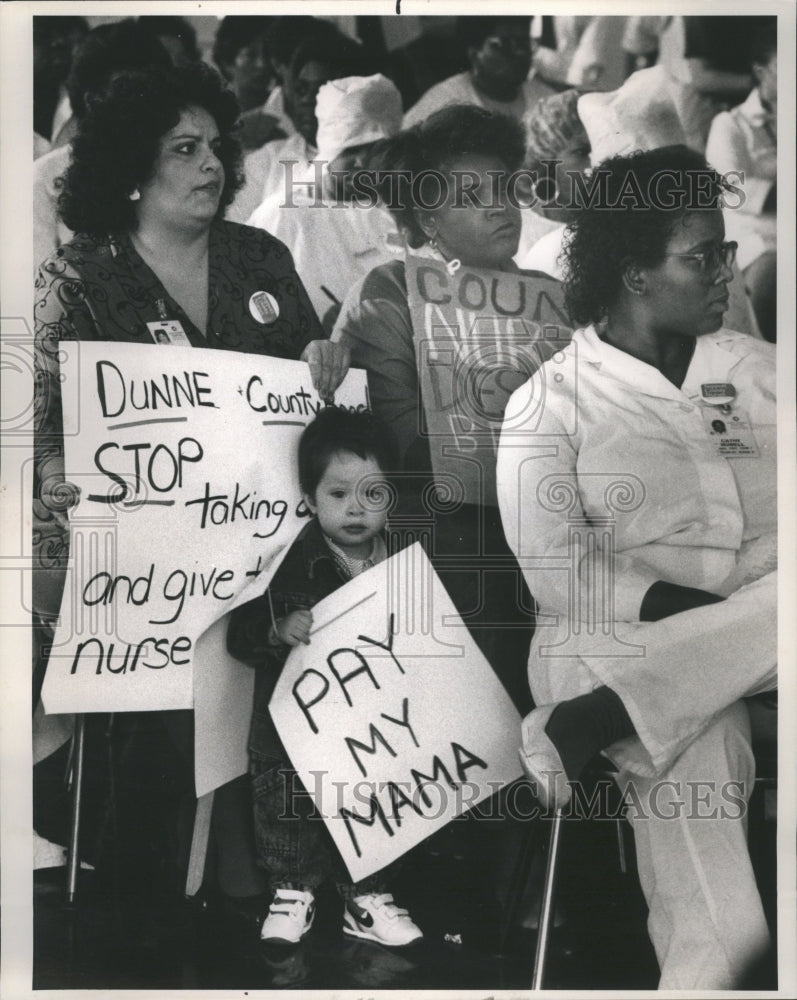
(308, 573)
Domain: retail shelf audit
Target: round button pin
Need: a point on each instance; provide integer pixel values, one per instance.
(264, 307)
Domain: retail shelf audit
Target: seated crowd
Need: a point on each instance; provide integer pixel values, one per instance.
(296, 140)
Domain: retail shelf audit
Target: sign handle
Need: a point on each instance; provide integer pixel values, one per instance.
(73, 864)
(199, 844)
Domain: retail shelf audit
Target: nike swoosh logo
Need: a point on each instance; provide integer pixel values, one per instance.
(366, 920)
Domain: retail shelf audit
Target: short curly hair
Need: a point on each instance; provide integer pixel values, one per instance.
(631, 207)
(471, 31)
(552, 125)
(433, 145)
(118, 142)
(109, 49)
(237, 32)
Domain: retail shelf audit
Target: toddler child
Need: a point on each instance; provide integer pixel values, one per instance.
(343, 461)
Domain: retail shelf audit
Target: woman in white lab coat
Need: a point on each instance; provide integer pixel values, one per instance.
(636, 480)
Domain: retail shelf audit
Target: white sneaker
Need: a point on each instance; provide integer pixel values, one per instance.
(290, 917)
(377, 918)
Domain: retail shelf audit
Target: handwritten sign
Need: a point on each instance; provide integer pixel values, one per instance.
(186, 463)
(478, 336)
(392, 716)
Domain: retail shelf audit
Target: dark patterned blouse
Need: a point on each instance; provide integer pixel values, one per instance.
(101, 289)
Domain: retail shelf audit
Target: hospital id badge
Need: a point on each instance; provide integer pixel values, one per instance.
(731, 434)
(168, 331)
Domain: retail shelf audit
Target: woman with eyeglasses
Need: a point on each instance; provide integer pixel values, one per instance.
(648, 540)
(499, 52)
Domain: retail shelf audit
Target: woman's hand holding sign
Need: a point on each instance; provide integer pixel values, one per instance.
(328, 363)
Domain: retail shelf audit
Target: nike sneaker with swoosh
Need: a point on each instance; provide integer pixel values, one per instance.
(377, 918)
(290, 917)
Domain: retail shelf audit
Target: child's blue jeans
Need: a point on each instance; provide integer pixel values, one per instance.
(293, 844)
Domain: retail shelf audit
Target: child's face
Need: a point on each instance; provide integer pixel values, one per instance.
(350, 506)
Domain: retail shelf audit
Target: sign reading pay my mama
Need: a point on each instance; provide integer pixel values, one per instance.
(392, 717)
(186, 463)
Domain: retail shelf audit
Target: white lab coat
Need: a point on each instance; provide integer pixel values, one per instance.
(49, 232)
(274, 169)
(743, 139)
(333, 244)
(601, 446)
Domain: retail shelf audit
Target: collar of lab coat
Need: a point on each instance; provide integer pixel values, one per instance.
(753, 110)
(711, 362)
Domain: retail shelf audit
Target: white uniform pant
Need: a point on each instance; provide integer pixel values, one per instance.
(683, 694)
(705, 917)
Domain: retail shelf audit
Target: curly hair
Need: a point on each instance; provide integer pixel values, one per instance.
(632, 206)
(471, 31)
(109, 49)
(118, 143)
(341, 55)
(172, 26)
(434, 145)
(551, 126)
(237, 32)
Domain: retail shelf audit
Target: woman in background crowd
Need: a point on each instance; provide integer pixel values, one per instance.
(499, 52)
(279, 165)
(557, 150)
(745, 140)
(326, 224)
(55, 40)
(285, 35)
(239, 51)
(176, 35)
(706, 61)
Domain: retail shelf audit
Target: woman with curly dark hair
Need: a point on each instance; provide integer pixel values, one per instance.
(375, 320)
(154, 165)
(648, 539)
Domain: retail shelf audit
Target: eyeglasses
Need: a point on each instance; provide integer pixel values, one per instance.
(710, 261)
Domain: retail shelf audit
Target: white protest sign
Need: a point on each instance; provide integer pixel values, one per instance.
(186, 463)
(392, 716)
(478, 335)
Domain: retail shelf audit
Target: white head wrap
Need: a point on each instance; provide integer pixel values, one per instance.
(356, 110)
(640, 115)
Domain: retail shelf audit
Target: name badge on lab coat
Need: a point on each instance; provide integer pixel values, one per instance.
(731, 434)
(168, 331)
